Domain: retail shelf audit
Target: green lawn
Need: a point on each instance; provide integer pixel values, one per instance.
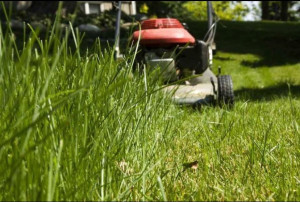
(250, 152)
(79, 126)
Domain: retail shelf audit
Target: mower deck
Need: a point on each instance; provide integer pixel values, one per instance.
(197, 94)
(196, 91)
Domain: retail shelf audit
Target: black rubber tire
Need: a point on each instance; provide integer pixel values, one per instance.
(225, 91)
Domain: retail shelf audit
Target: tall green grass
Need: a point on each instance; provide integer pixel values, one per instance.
(81, 126)
(77, 125)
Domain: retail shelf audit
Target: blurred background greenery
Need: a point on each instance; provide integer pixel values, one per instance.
(45, 12)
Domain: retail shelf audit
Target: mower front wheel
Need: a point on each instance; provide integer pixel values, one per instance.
(225, 91)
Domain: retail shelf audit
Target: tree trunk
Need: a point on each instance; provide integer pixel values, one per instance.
(284, 11)
(265, 10)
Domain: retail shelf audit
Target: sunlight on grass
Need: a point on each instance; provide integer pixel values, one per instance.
(79, 125)
(259, 77)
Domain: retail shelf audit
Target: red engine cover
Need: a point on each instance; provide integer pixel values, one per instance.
(163, 32)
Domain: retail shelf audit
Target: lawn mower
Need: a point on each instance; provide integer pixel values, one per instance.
(165, 43)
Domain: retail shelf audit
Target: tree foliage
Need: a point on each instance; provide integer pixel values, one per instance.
(280, 10)
(226, 10)
(163, 8)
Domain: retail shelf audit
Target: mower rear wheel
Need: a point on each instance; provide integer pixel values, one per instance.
(225, 90)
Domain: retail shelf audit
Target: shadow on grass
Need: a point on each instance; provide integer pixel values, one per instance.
(223, 58)
(275, 43)
(269, 93)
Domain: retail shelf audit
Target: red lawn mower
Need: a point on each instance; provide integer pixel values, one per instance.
(165, 43)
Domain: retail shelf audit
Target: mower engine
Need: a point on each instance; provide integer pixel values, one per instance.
(165, 43)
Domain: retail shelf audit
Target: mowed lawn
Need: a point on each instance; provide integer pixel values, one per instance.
(79, 126)
(250, 152)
